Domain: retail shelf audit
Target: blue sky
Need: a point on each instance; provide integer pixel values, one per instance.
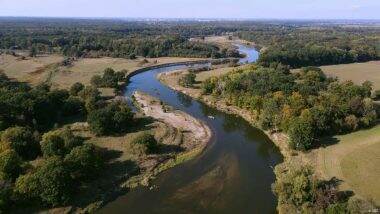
(280, 9)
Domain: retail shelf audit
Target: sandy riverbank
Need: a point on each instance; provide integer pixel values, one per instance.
(196, 134)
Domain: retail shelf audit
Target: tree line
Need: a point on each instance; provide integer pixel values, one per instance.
(300, 46)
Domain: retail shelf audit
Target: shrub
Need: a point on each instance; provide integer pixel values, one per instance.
(148, 141)
(84, 161)
(59, 142)
(10, 165)
(209, 85)
(187, 80)
(76, 88)
(51, 183)
(22, 141)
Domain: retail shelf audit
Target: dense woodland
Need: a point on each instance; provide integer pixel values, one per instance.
(307, 105)
(114, 38)
(44, 163)
(296, 44)
(300, 46)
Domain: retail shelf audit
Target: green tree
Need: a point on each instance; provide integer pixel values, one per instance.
(76, 88)
(21, 140)
(10, 165)
(301, 134)
(59, 142)
(84, 161)
(148, 141)
(188, 80)
(51, 183)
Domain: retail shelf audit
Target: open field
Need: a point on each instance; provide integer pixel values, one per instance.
(354, 159)
(32, 70)
(356, 72)
(40, 69)
(83, 69)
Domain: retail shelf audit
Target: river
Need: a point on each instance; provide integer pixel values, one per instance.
(233, 175)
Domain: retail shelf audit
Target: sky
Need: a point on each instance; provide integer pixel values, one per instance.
(237, 9)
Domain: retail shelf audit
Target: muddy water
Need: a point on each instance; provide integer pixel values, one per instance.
(233, 175)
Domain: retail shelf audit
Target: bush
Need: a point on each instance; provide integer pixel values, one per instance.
(116, 117)
(84, 161)
(21, 140)
(10, 165)
(76, 88)
(301, 134)
(51, 183)
(209, 85)
(187, 80)
(148, 141)
(59, 142)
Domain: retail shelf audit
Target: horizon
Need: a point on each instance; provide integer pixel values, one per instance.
(195, 9)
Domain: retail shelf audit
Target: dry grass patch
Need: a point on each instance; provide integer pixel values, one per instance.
(32, 70)
(356, 72)
(84, 69)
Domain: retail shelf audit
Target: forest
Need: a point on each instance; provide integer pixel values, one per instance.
(43, 162)
(112, 38)
(306, 105)
(300, 46)
(296, 44)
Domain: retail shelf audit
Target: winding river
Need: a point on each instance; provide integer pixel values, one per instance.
(233, 175)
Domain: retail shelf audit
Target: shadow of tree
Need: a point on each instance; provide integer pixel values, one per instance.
(166, 149)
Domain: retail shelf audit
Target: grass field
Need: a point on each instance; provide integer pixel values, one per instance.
(357, 72)
(355, 159)
(40, 69)
(32, 70)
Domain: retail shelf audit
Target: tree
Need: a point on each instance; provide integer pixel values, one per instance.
(59, 142)
(21, 140)
(33, 51)
(116, 117)
(187, 80)
(76, 88)
(51, 183)
(10, 165)
(73, 106)
(301, 134)
(296, 187)
(148, 141)
(5, 195)
(84, 161)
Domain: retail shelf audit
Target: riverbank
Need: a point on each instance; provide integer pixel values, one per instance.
(171, 78)
(196, 134)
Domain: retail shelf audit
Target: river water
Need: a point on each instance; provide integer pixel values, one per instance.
(233, 175)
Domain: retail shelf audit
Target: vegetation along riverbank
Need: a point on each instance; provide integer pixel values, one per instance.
(277, 101)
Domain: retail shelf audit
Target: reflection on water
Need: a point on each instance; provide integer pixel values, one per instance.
(233, 175)
(184, 99)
